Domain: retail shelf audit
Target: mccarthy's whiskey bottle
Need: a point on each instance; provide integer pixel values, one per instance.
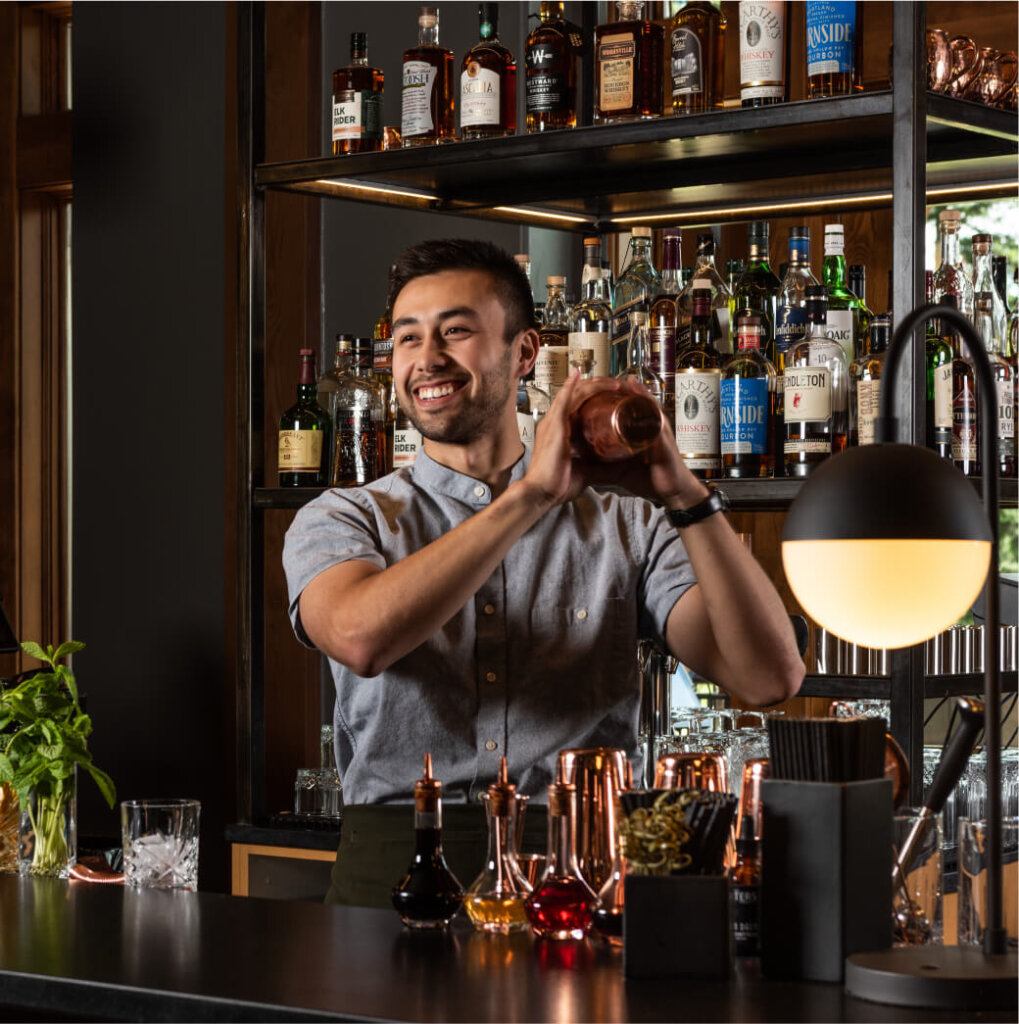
(550, 67)
(488, 82)
(427, 100)
(357, 102)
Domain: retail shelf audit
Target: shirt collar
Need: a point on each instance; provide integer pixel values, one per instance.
(433, 476)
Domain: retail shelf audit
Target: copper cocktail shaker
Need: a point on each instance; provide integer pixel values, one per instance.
(613, 425)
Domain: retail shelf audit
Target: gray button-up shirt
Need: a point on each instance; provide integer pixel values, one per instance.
(542, 658)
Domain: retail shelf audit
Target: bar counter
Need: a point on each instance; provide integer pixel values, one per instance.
(101, 952)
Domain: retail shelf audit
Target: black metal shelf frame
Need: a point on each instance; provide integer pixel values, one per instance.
(897, 146)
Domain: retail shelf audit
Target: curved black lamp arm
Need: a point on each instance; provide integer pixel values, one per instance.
(886, 429)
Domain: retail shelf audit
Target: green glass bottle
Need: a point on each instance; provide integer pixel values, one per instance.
(304, 433)
(757, 287)
(939, 383)
(843, 306)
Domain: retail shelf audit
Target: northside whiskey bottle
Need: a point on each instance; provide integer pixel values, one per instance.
(427, 99)
(488, 82)
(357, 102)
(834, 47)
(747, 407)
(697, 58)
(550, 68)
(763, 53)
(628, 68)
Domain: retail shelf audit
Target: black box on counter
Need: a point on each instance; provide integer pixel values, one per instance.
(677, 926)
(826, 870)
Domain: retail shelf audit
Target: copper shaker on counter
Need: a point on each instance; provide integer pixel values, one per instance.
(614, 425)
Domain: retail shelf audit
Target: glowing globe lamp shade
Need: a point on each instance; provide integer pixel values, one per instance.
(886, 545)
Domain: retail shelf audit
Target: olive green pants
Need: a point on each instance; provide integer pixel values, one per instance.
(377, 844)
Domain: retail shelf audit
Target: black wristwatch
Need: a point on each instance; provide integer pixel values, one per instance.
(716, 501)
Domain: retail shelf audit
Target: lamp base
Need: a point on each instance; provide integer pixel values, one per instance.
(952, 977)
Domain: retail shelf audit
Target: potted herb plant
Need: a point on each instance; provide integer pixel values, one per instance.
(43, 741)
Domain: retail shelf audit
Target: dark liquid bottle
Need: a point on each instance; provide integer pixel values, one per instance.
(697, 57)
(551, 73)
(965, 409)
(745, 890)
(357, 102)
(304, 433)
(938, 355)
(428, 96)
(488, 82)
(756, 291)
(628, 68)
(428, 895)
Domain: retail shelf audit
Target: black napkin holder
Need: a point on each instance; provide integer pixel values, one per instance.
(677, 926)
(826, 869)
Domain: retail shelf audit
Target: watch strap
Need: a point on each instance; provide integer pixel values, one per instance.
(683, 517)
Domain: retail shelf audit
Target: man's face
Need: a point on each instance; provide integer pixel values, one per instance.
(452, 367)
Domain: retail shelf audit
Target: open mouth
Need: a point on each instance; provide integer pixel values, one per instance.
(433, 395)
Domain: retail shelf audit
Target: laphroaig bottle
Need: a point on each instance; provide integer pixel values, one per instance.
(951, 278)
(553, 364)
(938, 355)
(1002, 371)
(551, 76)
(763, 52)
(637, 288)
(791, 318)
(697, 57)
(357, 102)
(591, 319)
(662, 321)
(428, 92)
(747, 406)
(304, 432)
(697, 381)
(834, 47)
(705, 275)
(815, 393)
(628, 66)
(865, 383)
(757, 289)
(843, 306)
(488, 82)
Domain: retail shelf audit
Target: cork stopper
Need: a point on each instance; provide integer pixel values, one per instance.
(427, 790)
(640, 232)
(555, 281)
(561, 796)
(502, 792)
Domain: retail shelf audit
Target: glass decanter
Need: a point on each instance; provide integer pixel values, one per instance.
(638, 360)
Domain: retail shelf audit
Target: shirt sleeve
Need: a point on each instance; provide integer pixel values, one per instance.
(331, 529)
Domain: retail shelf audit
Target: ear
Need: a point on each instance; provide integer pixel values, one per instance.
(528, 341)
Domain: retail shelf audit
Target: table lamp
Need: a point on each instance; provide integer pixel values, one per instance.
(887, 545)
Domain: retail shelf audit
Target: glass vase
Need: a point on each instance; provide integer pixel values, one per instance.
(48, 832)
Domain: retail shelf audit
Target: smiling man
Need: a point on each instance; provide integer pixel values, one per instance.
(485, 602)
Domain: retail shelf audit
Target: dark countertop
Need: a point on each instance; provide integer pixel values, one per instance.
(93, 951)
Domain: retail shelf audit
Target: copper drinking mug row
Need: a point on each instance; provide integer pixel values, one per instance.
(960, 68)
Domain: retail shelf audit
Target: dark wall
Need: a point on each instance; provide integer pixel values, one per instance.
(148, 413)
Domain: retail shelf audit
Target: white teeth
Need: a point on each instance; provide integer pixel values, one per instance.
(440, 392)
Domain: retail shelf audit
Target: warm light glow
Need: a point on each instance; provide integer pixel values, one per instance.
(543, 215)
(356, 186)
(886, 593)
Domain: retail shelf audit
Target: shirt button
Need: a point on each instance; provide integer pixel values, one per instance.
(491, 677)
(491, 745)
(479, 491)
(582, 614)
(489, 609)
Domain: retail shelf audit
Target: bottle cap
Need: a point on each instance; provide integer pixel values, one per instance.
(982, 243)
(834, 229)
(555, 281)
(676, 233)
(502, 793)
(592, 241)
(428, 17)
(733, 266)
(949, 300)
(857, 269)
(561, 796)
(800, 231)
(344, 342)
(950, 215)
(638, 318)
(488, 19)
(640, 232)
(880, 333)
(747, 843)
(306, 352)
(758, 231)
(817, 291)
(358, 42)
(427, 790)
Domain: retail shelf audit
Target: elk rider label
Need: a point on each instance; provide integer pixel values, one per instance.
(697, 419)
(687, 63)
(418, 80)
(479, 96)
(615, 72)
(406, 445)
(546, 86)
(831, 26)
(357, 116)
(743, 416)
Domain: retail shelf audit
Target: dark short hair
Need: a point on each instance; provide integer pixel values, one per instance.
(439, 254)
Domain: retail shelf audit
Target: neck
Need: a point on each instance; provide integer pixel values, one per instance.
(490, 459)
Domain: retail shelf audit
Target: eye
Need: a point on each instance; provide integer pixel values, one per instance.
(409, 338)
(456, 330)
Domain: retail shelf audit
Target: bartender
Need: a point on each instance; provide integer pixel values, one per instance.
(487, 601)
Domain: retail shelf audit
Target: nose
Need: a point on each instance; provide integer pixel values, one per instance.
(431, 353)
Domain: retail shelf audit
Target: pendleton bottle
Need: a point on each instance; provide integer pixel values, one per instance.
(865, 383)
(697, 57)
(843, 306)
(488, 82)
(628, 66)
(697, 381)
(834, 41)
(938, 355)
(304, 433)
(428, 94)
(747, 407)
(357, 102)
(662, 321)
(763, 52)
(705, 275)
(551, 76)
(636, 289)
(757, 289)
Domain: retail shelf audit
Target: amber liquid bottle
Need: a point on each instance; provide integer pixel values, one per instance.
(834, 48)
(697, 54)
(488, 82)
(357, 102)
(763, 52)
(697, 381)
(628, 67)
(551, 76)
(965, 408)
(427, 99)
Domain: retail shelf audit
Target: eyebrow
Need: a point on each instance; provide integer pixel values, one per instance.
(446, 314)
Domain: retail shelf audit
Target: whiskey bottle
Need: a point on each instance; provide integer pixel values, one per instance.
(662, 321)
(747, 407)
(357, 102)
(550, 70)
(552, 366)
(983, 284)
(488, 82)
(745, 891)
(733, 271)
(427, 99)
(697, 381)
(951, 278)
(358, 421)
(628, 66)
(303, 446)
(791, 318)
(857, 285)
(697, 57)
(591, 320)
(1002, 372)
(865, 382)
(757, 288)
(407, 441)
(763, 52)
(999, 272)
(815, 392)
(639, 365)
(965, 407)
(938, 355)
(532, 404)
(382, 374)
(843, 306)
(705, 275)
(636, 289)
(834, 47)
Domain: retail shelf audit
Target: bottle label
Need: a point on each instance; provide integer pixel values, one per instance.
(479, 97)
(622, 321)
(598, 343)
(382, 355)
(839, 325)
(357, 115)
(551, 368)
(746, 919)
(762, 50)
(943, 403)
(868, 396)
(527, 425)
(964, 425)
(663, 354)
(616, 55)
(406, 445)
(1006, 416)
(418, 82)
(743, 416)
(697, 435)
(300, 451)
(687, 63)
(790, 327)
(357, 451)
(547, 89)
(807, 394)
(831, 26)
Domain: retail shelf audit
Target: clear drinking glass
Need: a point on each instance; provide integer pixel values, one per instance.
(160, 840)
(973, 878)
(916, 901)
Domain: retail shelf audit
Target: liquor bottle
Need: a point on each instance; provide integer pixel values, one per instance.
(551, 76)
(303, 449)
(327, 385)
(628, 66)
(705, 275)
(983, 284)
(494, 901)
(965, 408)
(951, 278)
(843, 306)
(697, 57)
(757, 288)
(662, 321)
(938, 355)
(639, 363)
(763, 52)
(357, 102)
(553, 363)
(358, 421)
(488, 82)
(636, 289)
(733, 270)
(815, 393)
(428, 895)
(745, 891)
(865, 382)
(428, 95)
(857, 284)
(591, 320)
(382, 373)
(562, 903)
(1003, 382)
(791, 318)
(407, 441)
(999, 272)
(592, 258)
(697, 381)
(834, 47)
(747, 406)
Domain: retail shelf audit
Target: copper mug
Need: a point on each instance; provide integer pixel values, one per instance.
(600, 775)
(997, 76)
(692, 770)
(939, 59)
(967, 62)
(1009, 64)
